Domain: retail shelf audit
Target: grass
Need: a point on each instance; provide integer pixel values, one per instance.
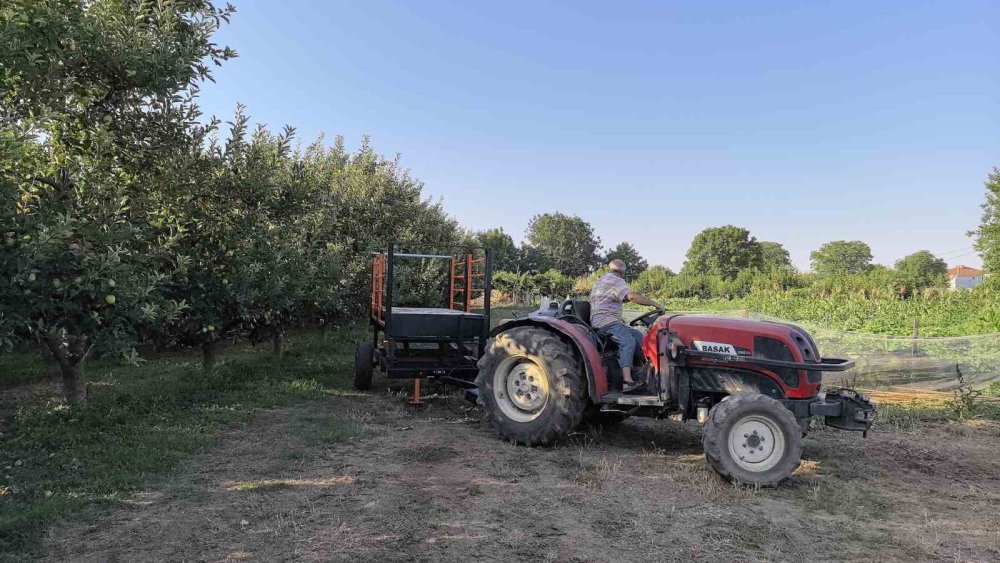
(912, 414)
(24, 366)
(140, 421)
(316, 428)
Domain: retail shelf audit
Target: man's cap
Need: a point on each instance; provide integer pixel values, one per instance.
(617, 266)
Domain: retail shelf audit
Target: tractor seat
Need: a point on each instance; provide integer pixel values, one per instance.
(581, 310)
(576, 308)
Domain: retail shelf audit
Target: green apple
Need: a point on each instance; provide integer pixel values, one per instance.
(111, 283)
(110, 299)
(32, 277)
(211, 328)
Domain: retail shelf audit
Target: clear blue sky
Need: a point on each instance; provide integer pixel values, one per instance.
(803, 121)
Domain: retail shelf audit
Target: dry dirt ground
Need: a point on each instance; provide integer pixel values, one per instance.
(368, 477)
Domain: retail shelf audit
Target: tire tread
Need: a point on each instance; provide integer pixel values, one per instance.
(715, 439)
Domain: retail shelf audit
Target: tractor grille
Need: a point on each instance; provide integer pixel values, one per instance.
(809, 354)
(773, 349)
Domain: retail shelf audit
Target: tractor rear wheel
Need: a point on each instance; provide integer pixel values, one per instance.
(752, 439)
(364, 360)
(532, 386)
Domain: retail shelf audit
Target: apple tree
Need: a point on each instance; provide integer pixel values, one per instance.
(94, 98)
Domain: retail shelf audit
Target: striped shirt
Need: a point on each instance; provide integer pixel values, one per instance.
(606, 299)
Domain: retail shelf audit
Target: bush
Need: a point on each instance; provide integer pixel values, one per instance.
(525, 287)
(653, 280)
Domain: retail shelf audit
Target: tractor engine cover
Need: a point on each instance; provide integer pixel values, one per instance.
(721, 342)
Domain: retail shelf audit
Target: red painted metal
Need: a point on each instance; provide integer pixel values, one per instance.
(737, 332)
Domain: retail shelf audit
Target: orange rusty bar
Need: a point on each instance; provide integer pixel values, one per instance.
(468, 283)
(451, 285)
(416, 393)
(375, 286)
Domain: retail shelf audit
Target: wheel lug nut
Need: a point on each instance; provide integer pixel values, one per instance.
(746, 435)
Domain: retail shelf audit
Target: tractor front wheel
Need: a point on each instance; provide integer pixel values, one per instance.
(532, 386)
(752, 439)
(364, 365)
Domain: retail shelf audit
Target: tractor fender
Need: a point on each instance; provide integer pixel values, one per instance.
(597, 377)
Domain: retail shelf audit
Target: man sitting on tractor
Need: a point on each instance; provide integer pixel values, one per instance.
(610, 291)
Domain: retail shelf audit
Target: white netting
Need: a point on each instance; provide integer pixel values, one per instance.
(899, 363)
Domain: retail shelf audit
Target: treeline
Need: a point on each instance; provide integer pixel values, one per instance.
(727, 268)
(722, 262)
(125, 217)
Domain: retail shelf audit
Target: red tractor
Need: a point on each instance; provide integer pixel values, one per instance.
(754, 385)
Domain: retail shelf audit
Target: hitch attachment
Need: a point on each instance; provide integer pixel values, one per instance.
(857, 412)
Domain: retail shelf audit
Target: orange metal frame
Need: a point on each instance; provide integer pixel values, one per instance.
(468, 278)
(378, 289)
(462, 284)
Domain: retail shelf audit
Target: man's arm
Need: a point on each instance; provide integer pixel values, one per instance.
(643, 300)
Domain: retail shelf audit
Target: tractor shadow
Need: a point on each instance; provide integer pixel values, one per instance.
(640, 434)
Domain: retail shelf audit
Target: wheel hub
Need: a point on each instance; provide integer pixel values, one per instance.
(756, 443)
(521, 389)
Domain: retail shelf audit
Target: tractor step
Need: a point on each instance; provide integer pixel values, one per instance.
(638, 400)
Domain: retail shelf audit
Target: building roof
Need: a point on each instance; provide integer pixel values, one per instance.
(964, 272)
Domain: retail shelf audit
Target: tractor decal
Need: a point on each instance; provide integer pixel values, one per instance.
(715, 347)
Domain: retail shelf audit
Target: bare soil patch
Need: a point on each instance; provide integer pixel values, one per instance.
(368, 477)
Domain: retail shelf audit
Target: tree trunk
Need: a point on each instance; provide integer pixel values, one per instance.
(209, 356)
(277, 343)
(70, 353)
(74, 386)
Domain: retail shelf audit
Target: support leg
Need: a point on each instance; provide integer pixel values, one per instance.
(416, 393)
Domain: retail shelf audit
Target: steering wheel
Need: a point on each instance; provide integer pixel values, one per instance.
(647, 319)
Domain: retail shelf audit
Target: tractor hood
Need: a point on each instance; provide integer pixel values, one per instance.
(739, 337)
(782, 349)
